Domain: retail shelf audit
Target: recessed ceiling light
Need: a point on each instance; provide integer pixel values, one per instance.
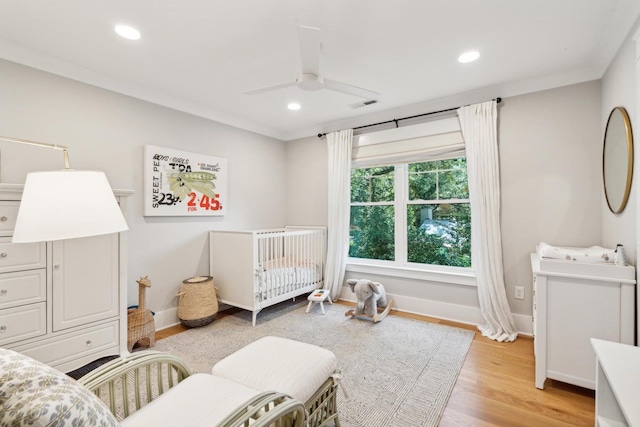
(127, 32)
(469, 57)
(293, 106)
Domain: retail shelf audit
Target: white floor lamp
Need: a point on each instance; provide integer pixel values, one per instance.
(65, 204)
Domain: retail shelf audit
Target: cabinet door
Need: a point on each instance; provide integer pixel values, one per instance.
(85, 280)
(578, 310)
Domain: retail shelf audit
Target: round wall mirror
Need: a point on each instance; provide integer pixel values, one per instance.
(617, 160)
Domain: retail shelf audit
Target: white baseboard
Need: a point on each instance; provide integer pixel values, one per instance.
(524, 324)
(166, 318)
(445, 311)
(440, 310)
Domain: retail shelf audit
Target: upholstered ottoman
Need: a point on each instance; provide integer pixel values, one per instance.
(303, 371)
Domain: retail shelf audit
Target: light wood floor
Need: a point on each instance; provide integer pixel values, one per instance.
(496, 386)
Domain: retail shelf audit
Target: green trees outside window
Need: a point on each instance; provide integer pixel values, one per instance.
(372, 213)
(428, 200)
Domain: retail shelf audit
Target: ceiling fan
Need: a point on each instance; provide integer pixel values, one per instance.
(310, 79)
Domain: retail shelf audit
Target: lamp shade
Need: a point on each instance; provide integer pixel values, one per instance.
(67, 204)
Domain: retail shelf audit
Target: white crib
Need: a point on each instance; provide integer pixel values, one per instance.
(256, 269)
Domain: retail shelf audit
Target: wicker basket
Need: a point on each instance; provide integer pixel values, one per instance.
(198, 304)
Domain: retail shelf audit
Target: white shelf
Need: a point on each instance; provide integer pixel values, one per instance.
(618, 383)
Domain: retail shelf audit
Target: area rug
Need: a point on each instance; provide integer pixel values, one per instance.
(398, 372)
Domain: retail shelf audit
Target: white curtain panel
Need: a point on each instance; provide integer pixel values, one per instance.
(339, 144)
(479, 128)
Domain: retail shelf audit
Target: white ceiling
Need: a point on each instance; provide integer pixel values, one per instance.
(199, 56)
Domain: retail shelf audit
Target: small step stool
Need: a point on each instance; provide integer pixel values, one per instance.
(319, 296)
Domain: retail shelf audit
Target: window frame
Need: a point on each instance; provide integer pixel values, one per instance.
(400, 267)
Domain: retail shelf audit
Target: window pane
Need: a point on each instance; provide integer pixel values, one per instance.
(422, 167)
(460, 163)
(372, 184)
(452, 184)
(371, 233)
(439, 234)
(422, 186)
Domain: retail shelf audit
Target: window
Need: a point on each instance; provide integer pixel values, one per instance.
(414, 214)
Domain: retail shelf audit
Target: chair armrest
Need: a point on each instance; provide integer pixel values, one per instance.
(267, 409)
(135, 380)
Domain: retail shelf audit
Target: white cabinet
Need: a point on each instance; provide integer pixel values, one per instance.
(63, 302)
(85, 280)
(574, 302)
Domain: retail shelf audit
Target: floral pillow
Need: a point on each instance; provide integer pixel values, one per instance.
(34, 394)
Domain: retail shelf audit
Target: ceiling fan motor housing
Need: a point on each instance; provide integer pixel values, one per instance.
(310, 82)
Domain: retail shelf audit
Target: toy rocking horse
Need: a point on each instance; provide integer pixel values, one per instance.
(141, 327)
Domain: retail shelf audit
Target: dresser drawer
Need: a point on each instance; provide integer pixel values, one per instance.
(63, 348)
(20, 323)
(22, 287)
(21, 256)
(8, 215)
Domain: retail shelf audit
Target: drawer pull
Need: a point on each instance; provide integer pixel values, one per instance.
(3, 291)
(3, 328)
(3, 219)
(3, 255)
(88, 343)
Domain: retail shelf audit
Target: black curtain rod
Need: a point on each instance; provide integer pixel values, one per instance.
(320, 135)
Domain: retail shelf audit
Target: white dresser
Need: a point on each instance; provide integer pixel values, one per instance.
(64, 302)
(572, 303)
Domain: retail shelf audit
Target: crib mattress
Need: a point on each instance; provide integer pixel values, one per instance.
(280, 276)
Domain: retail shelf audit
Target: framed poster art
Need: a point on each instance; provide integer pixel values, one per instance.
(178, 183)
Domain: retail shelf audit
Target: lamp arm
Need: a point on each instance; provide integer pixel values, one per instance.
(65, 150)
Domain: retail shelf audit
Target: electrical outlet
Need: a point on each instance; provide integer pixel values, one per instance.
(519, 292)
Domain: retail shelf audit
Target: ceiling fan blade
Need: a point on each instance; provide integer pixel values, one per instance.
(350, 90)
(270, 88)
(309, 49)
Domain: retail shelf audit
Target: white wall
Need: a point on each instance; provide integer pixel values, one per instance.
(107, 131)
(307, 182)
(619, 89)
(551, 191)
(550, 160)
